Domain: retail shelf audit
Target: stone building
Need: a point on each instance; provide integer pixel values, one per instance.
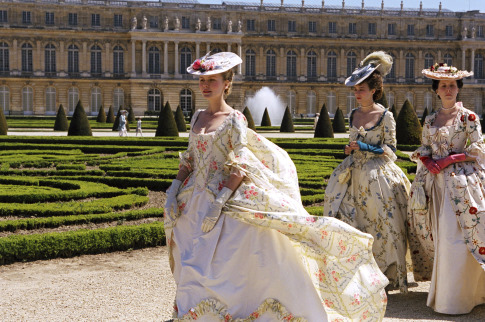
(119, 53)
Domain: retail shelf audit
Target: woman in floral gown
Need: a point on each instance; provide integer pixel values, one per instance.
(447, 205)
(241, 245)
(368, 190)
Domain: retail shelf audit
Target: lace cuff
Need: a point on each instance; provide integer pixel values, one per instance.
(422, 151)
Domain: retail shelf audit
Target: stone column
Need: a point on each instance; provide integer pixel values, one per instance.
(176, 58)
(420, 63)
(322, 66)
(108, 60)
(15, 58)
(133, 61)
(229, 47)
(165, 58)
(197, 50)
(439, 56)
(472, 61)
(84, 62)
(281, 66)
(207, 48)
(62, 60)
(401, 65)
(239, 52)
(340, 62)
(260, 66)
(144, 59)
(303, 69)
(463, 55)
(38, 70)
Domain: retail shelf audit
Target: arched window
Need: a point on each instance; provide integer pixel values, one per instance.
(27, 61)
(50, 100)
(118, 60)
(478, 70)
(331, 102)
(72, 99)
(50, 58)
(409, 67)
(28, 100)
(72, 59)
(185, 59)
(428, 60)
(95, 99)
(351, 62)
(332, 65)
(250, 62)
(448, 59)
(270, 63)
(96, 60)
(291, 64)
(154, 100)
(153, 60)
(4, 58)
(5, 99)
(292, 102)
(392, 73)
(186, 101)
(311, 103)
(390, 100)
(428, 101)
(350, 102)
(410, 97)
(118, 98)
(311, 66)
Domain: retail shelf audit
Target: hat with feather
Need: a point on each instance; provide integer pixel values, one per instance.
(377, 60)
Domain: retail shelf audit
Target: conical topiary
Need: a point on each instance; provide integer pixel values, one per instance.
(110, 118)
(116, 123)
(131, 115)
(383, 100)
(324, 125)
(166, 122)
(3, 123)
(338, 124)
(393, 111)
(249, 118)
(180, 120)
(101, 115)
(61, 123)
(287, 122)
(265, 121)
(79, 123)
(408, 128)
(423, 117)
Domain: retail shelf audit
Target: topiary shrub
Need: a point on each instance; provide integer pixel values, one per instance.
(3, 123)
(287, 122)
(79, 123)
(324, 125)
(110, 118)
(383, 100)
(101, 115)
(180, 120)
(61, 123)
(408, 127)
(166, 122)
(394, 111)
(249, 118)
(131, 115)
(423, 118)
(265, 121)
(338, 124)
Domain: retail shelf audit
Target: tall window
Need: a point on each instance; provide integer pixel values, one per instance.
(270, 63)
(73, 59)
(250, 62)
(391, 29)
(185, 59)
(186, 101)
(153, 22)
(291, 26)
(479, 66)
(312, 26)
(27, 100)
(118, 20)
(291, 64)
(27, 63)
(4, 59)
(26, 17)
(372, 30)
(410, 30)
(271, 25)
(250, 26)
(292, 102)
(351, 62)
(409, 67)
(49, 18)
(118, 98)
(154, 100)
(311, 103)
(72, 19)
(153, 60)
(429, 31)
(3, 16)
(95, 60)
(50, 100)
(185, 22)
(392, 73)
(428, 101)
(351, 101)
(480, 31)
(50, 58)
(332, 27)
(449, 31)
(311, 69)
(217, 24)
(95, 99)
(72, 99)
(331, 102)
(352, 28)
(428, 60)
(332, 65)
(95, 20)
(4, 98)
(118, 60)
(448, 59)
(410, 97)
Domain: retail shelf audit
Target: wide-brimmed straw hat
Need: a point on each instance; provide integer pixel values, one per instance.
(441, 71)
(377, 60)
(214, 64)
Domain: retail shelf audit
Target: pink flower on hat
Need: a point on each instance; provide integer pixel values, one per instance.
(208, 65)
(196, 65)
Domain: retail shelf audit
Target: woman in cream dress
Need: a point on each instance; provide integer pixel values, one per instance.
(242, 247)
(447, 206)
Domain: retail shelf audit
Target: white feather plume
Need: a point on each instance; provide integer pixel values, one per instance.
(379, 58)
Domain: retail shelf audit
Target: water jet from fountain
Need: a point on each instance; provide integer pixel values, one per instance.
(266, 98)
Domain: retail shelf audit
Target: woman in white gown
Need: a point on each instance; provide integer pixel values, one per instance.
(242, 247)
(446, 211)
(368, 190)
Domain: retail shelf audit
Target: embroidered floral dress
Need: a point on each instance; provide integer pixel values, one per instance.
(370, 192)
(447, 216)
(266, 258)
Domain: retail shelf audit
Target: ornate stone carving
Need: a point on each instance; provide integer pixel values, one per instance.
(197, 25)
(229, 26)
(144, 23)
(177, 24)
(208, 24)
(134, 22)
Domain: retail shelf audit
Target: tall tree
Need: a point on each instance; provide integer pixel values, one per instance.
(265, 121)
(287, 122)
(324, 125)
(249, 118)
(61, 123)
(79, 125)
(3, 123)
(180, 120)
(166, 122)
(110, 118)
(101, 115)
(338, 124)
(408, 127)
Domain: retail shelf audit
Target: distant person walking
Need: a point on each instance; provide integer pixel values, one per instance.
(138, 127)
(122, 126)
(316, 120)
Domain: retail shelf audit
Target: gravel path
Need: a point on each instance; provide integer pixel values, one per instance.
(135, 286)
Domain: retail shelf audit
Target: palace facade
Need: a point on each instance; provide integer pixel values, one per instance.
(119, 53)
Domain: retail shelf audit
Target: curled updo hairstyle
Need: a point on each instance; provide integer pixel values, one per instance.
(375, 82)
(228, 75)
(436, 84)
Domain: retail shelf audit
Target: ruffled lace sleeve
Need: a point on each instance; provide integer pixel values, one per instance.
(389, 143)
(476, 149)
(425, 148)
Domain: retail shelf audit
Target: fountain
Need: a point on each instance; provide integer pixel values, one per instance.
(266, 98)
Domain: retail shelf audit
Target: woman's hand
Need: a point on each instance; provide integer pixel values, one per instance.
(431, 165)
(351, 147)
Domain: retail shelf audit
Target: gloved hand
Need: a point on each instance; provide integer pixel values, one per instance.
(215, 210)
(171, 207)
(370, 147)
(446, 161)
(430, 164)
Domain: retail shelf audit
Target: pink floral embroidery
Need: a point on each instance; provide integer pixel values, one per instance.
(324, 234)
(352, 258)
(336, 276)
(265, 163)
(221, 185)
(342, 246)
(213, 166)
(481, 250)
(288, 317)
(186, 181)
(258, 215)
(182, 206)
(356, 300)
(328, 303)
(254, 315)
(193, 314)
(364, 315)
(250, 193)
(320, 275)
(227, 317)
(310, 219)
(202, 146)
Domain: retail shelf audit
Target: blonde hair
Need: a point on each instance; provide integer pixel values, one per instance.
(228, 75)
